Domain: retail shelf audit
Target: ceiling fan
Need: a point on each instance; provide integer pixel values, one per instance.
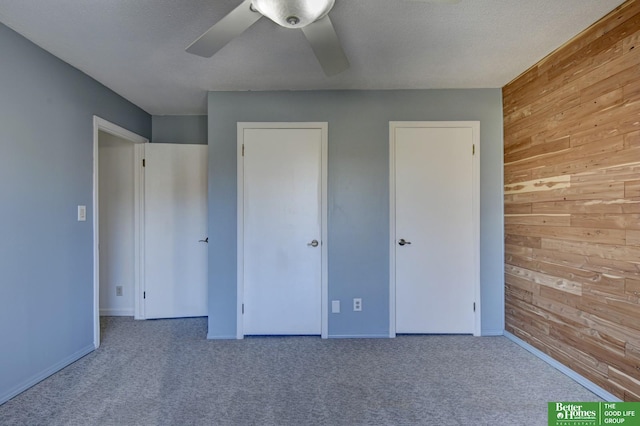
(311, 16)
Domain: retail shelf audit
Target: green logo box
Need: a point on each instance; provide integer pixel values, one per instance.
(594, 413)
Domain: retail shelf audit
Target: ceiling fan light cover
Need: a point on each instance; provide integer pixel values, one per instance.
(287, 12)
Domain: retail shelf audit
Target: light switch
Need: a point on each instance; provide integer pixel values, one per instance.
(335, 306)
(82, 213)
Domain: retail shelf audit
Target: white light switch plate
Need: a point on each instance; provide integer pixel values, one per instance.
(335, 306)
(82, 213)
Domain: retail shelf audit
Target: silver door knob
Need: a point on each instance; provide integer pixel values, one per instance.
(313, 243)
(402, 242)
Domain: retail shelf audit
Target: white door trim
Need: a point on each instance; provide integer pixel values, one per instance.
(100, 124)
(324, 127)
(475, 126)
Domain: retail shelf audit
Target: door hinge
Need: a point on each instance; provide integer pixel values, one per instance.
(473, 150)
(243, 150)
(144, 162)
(474, 306)
(144, 294)
(243, 309)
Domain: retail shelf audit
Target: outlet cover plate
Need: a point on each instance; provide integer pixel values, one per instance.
(357, 304)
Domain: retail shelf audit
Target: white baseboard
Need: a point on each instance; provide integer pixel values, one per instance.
(490, 333)
(607, 396)
(45, 373)
(221, 337)
(116, 312)
(358, 336)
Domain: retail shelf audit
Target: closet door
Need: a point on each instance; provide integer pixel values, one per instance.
(282, 231)
(434, 245)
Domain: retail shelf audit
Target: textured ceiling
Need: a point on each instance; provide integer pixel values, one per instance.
(136, 47)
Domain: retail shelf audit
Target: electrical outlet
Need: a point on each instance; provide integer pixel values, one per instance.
(335, 306)
(357, 304)
(119, 290)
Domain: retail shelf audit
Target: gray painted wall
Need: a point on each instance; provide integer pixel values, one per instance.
(46, 170)
(358, 193)
(188, 129)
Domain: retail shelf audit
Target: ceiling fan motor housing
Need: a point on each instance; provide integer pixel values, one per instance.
(293, 13)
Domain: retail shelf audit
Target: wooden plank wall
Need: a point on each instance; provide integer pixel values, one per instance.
(572, 203)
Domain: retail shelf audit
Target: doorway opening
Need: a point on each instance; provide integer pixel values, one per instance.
(118, 212)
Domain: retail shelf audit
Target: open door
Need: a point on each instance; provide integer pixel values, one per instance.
(175, 231)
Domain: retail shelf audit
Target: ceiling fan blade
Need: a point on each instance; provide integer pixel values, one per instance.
(326, 46)
(225, 30)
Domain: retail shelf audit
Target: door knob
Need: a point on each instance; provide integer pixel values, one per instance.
(403, 242)
(313, 243)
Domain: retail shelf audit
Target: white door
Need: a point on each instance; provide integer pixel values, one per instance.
(175, 225)
(434, 244)
(282, 232)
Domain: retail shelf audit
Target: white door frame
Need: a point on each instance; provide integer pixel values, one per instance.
(324, 127)
(475, 126)
(100, 124)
